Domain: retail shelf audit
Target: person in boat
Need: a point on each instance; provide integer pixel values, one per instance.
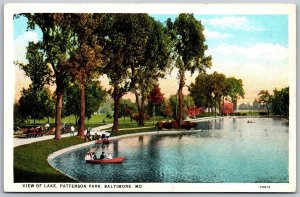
(102, 156)
(94, 156)
(108, 156)
(103, 136)
(88, 156)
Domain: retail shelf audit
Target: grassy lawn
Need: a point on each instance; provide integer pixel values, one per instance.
(30, 161)
(95, 121)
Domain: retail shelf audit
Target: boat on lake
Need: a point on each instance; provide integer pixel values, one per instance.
(107, 161)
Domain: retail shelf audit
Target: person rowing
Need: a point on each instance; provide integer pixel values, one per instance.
(102, 156)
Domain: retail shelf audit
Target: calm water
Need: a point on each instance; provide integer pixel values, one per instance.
(227, 150)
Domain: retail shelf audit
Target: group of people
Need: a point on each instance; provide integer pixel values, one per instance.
(92, 156)
(90, 134)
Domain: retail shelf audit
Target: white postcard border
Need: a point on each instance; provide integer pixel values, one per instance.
(230, 9)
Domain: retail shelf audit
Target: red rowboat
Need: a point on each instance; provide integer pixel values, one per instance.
(103, 141)
(113, 160)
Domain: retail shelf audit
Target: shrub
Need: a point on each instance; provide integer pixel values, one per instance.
(167, 125)
(187, 125)
(174, 124)
(237, 113)
(136, 117)
(244, 114)
(262, 113)
(159, 125)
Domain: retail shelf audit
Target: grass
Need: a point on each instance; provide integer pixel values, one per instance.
(95, 121)
(30, 161)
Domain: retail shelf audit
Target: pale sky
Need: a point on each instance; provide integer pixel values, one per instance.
(253, 48)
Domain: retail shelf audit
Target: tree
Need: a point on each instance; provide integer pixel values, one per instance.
(166, 109)
(265, 99)
(94, 97)
(127, 108)
(188, 50)
(40, 74)
(201, 91)
(155, 101)
(188, 102)
(86, 61)
(255, 104)
(235, 90)
(35, 100)
(153, 66)
(57, 46)
(280, 102)
(124, 48)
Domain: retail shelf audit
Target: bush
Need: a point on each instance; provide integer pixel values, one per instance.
(174, 124)
(263, 113)
(237, 113)
(159, 125)
(136, 117)
(244, 114)
(188, 125)
(108, 116)
(167, 125)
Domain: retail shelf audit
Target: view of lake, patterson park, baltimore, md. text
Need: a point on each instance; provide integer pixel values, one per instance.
(150, 98)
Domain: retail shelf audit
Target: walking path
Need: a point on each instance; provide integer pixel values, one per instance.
(22, 141)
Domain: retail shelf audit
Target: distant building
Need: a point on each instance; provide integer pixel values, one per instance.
(227, 108)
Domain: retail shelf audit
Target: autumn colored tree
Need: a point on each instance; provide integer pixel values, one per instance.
(86, 61)
(188, 49)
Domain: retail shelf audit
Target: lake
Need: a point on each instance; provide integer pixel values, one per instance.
(228, 150)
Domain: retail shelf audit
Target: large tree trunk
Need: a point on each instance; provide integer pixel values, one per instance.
(82, 111)
(141, 116)
(140, 106)
(180, 98)
(116, 113)
(59, 99)
(116, 96)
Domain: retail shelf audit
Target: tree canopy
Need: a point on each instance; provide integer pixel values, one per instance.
(188, 50)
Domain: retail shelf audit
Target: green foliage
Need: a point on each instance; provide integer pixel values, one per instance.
(35, 103)
(188, 49)
(280, 102)
(187, 103)
(209, 89)
(127, 108)
(235, 90)
(94, 96)
(265, 99)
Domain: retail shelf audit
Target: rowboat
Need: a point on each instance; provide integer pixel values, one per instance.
(104, 161)
(104, 141)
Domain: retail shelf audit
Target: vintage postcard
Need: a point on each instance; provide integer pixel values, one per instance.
(150, 97)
